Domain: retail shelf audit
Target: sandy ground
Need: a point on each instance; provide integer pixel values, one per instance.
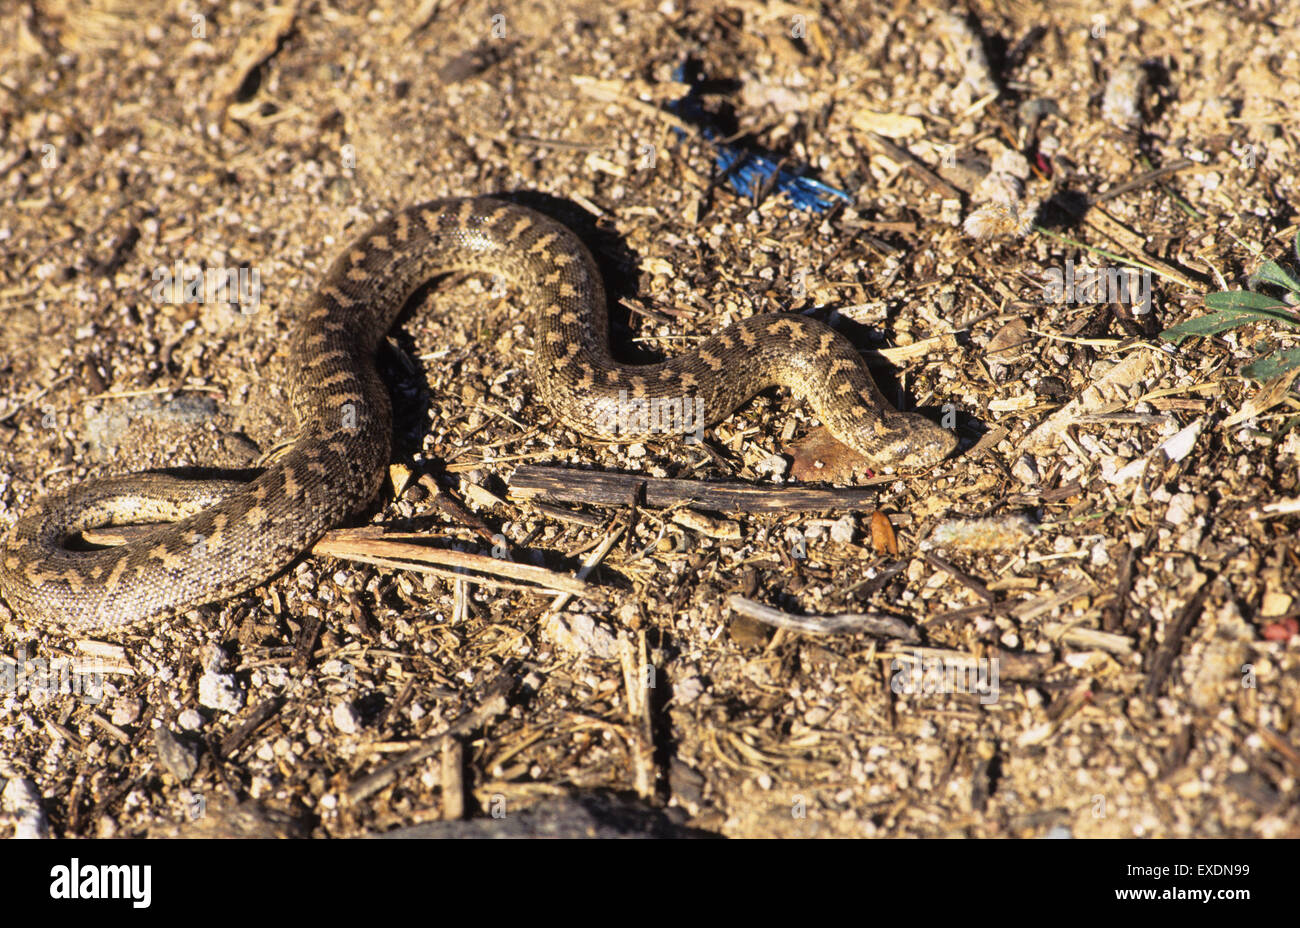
(1129, 582)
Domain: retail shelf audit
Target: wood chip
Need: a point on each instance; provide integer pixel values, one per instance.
(874, 624)
(1108, 394)
(883, 539)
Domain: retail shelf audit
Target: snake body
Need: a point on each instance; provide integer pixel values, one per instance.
(218, 538)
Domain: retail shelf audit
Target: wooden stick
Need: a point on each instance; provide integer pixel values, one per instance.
(258, 717)
(871, 623)
(435, 560)
(961, 577)
(906, 159)
(589, 565)
(493, 704)
(568, 515)
(638, 680)
(970, 612)
(1281, 745)
(453, 781)
(1143, 179)
(596, 488)
(1173, 643)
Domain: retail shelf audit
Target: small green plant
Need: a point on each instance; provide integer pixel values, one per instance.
(1232, 308)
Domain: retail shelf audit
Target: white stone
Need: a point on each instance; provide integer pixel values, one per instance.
(221, 692)
(345, 718)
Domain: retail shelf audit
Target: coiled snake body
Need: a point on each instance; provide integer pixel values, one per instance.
(222, 537)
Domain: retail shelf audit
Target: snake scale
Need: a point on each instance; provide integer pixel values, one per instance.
(218, 538)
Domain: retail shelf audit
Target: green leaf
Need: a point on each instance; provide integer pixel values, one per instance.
(1276, 364)
(1205, 326)
(1273, 273)
(1232, 308)
(1248, 302)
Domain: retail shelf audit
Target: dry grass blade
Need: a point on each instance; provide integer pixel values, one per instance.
(451, 564)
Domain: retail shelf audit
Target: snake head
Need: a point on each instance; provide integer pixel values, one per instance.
(909, 441)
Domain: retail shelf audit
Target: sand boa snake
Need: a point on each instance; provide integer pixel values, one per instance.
(222, 537)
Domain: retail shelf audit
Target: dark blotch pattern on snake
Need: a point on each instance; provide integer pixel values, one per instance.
(221, 537)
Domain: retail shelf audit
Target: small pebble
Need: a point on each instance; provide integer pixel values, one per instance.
(346, 719)
(179, 759)
(1025, 470)
(842, 530)
(125, 712)
(22, 801)
(220, 692)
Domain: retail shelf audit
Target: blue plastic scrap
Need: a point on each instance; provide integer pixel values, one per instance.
(749, 170)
